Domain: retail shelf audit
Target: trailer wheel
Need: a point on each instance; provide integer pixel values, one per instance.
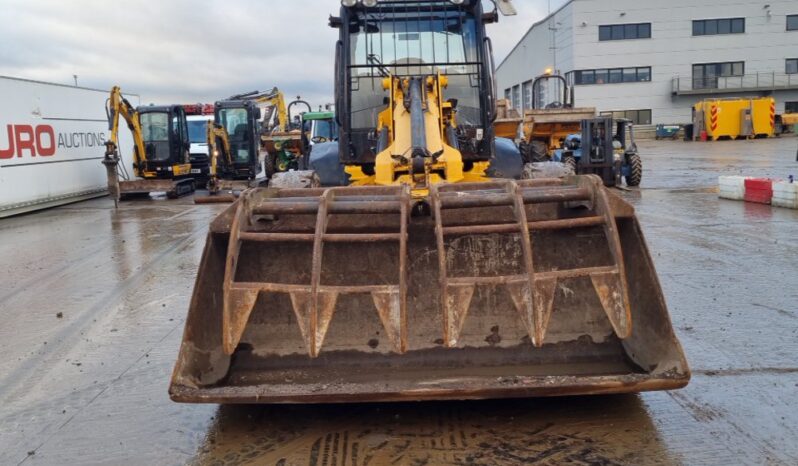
(635, 170)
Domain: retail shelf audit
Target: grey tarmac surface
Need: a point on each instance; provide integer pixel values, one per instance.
(90, 387)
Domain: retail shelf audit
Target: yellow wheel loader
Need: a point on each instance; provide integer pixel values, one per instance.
(161, 159)
(421, 277)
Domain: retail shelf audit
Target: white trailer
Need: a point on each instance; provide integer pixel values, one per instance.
(52, 141)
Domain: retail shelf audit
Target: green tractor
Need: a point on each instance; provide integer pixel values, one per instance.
(319, 127)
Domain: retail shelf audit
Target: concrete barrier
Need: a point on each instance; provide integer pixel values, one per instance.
(759, 190)
(785, 194)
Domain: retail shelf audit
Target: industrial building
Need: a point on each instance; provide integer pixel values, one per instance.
(650, 61)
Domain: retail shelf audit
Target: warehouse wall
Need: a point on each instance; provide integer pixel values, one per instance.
(536, 52)
(671, 51)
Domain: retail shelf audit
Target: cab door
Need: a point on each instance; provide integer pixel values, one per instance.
(254, 115)
(180, 144)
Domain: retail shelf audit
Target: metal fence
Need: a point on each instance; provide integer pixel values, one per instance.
(720, 84)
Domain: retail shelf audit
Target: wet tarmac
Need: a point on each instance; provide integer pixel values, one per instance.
(93, 301)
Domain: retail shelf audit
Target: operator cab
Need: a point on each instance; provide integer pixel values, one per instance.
(166, 144)
(319, 127)
(241, 120)
(551, 91)
(407, 38)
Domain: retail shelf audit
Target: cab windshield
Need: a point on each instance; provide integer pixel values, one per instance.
(235, 122)
(154, 127)
(415, 41)
(324, 129)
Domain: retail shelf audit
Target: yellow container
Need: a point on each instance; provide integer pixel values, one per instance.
(734, 118)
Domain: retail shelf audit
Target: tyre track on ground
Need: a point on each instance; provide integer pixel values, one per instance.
(26, 374)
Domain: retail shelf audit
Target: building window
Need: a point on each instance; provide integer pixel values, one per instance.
(705, 75)
(625, 31)
(792, 66)
(790, 107)
(517, 97)
(527, 90)
(792, 22)
(711, 27)
(612, 76)
(508, 95)
(638, 117)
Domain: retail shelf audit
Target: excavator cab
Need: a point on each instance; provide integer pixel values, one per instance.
(241, 120)
(423, 278)
(166, 144)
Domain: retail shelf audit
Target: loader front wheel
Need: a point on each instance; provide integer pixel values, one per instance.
(635, 170)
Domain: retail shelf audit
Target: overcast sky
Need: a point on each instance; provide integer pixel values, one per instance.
(179, 51)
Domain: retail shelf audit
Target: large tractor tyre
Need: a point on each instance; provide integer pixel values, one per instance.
(537, 151)
(635, 170)
(570, 163)
(270, 165)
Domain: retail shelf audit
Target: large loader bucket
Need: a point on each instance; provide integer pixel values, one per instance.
(499, 289)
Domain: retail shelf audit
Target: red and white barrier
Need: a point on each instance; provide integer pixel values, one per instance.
(759, 190)
(785, 194)
(732, 187)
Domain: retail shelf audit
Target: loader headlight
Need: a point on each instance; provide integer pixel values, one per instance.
(348, 3)
(457, 2)
(617, 157)
(369, 3)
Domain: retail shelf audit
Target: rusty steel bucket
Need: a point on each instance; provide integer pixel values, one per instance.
(484, 290)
